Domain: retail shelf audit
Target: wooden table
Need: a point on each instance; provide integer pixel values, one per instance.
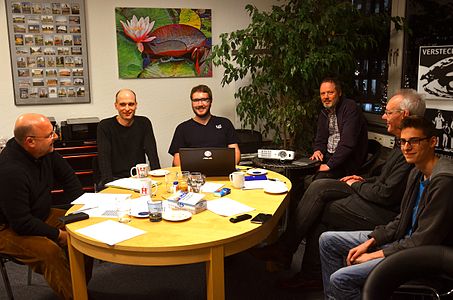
(206, 237)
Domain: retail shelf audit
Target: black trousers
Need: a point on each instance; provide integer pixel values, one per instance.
(324, 206)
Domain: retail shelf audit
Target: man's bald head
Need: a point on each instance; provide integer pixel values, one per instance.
(125, 93)
(26, 125)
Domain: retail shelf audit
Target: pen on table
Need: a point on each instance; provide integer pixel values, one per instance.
(84, 209)
(275, 179)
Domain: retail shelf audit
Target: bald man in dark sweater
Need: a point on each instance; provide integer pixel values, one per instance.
(125, 139)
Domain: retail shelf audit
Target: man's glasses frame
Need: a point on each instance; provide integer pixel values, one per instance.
(392, 111)
(412, 141)
(50, 136)
(204, 100)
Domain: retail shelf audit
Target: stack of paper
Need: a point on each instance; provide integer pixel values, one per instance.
(128, 183)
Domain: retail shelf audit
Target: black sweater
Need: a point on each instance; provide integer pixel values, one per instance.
(120, 148)
(25, 185)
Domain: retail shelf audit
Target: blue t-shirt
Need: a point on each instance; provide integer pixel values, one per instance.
(421, 188)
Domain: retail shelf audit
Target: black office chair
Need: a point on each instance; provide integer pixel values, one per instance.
(249, 140)
(374, 151)
(4, 258)
(249, 143)
(424, 270)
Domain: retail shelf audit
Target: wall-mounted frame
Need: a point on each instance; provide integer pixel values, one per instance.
(163, 42)
(49, 58)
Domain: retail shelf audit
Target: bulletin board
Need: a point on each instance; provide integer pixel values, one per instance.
(49, 58)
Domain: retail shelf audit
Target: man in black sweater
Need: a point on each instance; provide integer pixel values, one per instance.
(123, 140)
(351, 203)
(29, 227)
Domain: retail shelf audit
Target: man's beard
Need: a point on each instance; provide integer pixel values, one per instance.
(203, 116)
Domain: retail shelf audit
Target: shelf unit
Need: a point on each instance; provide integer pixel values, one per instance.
(80, 158)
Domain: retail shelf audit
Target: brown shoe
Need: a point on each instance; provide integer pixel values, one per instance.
(276, 258)
(299, 282)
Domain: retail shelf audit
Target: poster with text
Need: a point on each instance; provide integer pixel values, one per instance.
(435, 72)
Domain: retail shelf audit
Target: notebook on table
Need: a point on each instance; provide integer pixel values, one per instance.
(208, 161)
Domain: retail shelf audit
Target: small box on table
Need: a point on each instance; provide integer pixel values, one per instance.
(189, 201)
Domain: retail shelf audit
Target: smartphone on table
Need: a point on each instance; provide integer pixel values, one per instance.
(261, 218)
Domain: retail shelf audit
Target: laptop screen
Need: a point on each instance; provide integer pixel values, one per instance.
(208, 161)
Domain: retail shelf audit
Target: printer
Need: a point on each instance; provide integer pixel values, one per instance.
(79, 131)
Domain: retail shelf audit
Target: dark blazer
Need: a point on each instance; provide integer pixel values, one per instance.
(351, 151)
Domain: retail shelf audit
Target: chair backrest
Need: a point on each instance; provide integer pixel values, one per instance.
(411, 264)
(249, 140)
(374, 151)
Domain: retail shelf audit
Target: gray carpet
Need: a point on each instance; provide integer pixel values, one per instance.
(245, 278)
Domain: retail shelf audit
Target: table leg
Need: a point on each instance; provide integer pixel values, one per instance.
(215, 274)
(77, 265)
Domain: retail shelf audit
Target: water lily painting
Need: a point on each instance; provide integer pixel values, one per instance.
(163, 42)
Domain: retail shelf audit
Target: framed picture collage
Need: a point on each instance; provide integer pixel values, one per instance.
(48, 51)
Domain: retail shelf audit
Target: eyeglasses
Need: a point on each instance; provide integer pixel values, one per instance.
(392, 111)
(412, 141)
(50, 136)
(204, 100)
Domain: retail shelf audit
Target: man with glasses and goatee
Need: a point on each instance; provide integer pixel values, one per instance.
(29, 227)
(204, 129)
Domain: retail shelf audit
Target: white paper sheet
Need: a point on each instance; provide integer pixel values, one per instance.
(128, 183)
(228, 207)
(90, 198)
(255, 184)
(99, 204)
(110, 232)
(211, 187)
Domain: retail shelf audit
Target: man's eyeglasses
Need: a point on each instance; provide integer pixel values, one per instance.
(50, 136)
(412, 141)
(204, 100)
(392, 111)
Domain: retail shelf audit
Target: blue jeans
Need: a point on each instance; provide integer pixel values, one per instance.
(342, 281)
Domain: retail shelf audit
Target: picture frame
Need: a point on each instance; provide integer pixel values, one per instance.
(163, 42)
(48, 47)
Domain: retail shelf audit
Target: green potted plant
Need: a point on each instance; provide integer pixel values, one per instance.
(282, 56)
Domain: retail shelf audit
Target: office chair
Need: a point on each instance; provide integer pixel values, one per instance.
(249, 143)
(374, 151)
(249, 140)
(424, 270)
(4, 258)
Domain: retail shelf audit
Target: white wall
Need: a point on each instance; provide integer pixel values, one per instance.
(164, 101)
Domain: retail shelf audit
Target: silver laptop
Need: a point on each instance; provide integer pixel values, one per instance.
(208, 161)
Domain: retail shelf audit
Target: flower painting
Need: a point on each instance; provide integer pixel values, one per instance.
(163, 42)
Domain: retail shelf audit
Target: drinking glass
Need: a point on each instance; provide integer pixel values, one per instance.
(183, 182)
(123, 211)
(171, 181)
(155, 210)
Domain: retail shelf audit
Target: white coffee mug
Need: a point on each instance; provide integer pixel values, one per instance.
(142, 170)
(237, 179)
(147, 188)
